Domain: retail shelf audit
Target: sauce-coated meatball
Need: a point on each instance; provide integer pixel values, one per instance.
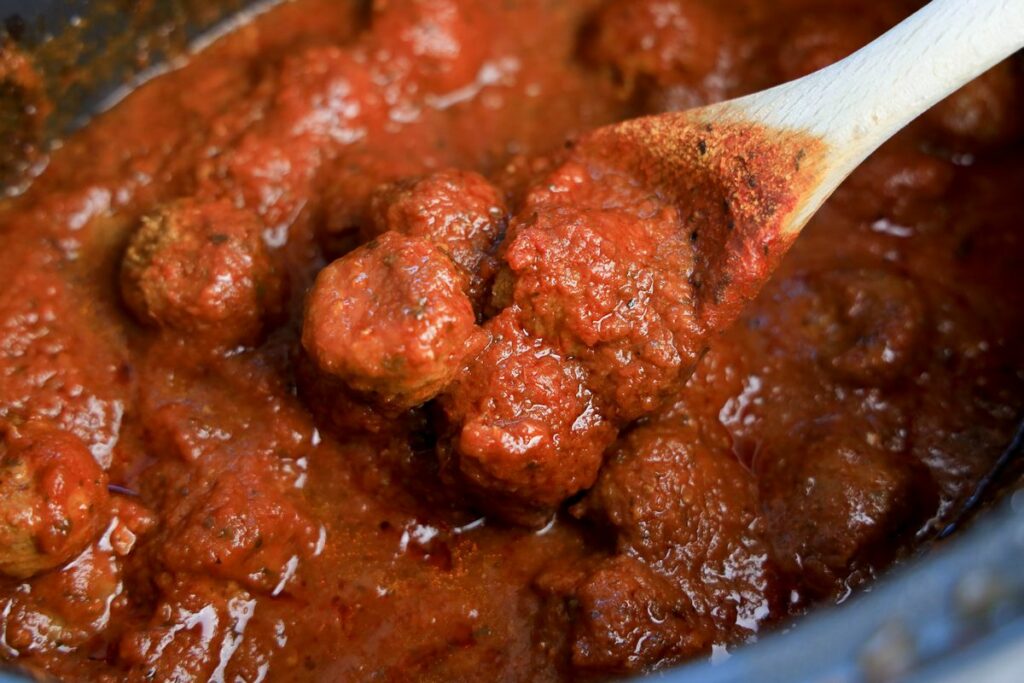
(201, 268)
(391, 320)
(621, 616)
(527, 432)
(239, 521)
(54, 499)
(834, 503)
(459, 211)
(609, 287)
(607, 290)
(442, 44)
(663, 41)
(678, 499)
(864, 326)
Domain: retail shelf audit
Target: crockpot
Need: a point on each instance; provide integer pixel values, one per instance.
(954, 612)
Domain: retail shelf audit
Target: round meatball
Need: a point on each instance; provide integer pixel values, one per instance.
(864, 326)
(837, 501)
(662, 41)
(391, 320)
(677, 498)
(985, 112)
(526, 432)
(239, 521)
(622, 616)
(203, 269)
(325, 100)
(54, 499)
(609, 287)
(442, 44)
(459, 211)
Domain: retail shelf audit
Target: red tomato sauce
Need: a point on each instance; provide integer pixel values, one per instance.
(329, 355)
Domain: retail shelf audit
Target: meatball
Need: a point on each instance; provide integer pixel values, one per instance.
(623, 617)
(392, 321)
(70, 607)
(985, 112)
(834, 502)
(679, 501)
(665, 42)
(442, 44)
(527, 434)
(55, 499)
(610, 287)
(864, 326)
(324, 101)
(459, 211)
(201, 268)
(238, 522)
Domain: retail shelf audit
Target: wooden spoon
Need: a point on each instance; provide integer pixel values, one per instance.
(749, 173)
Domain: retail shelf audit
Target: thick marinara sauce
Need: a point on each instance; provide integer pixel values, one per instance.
(327, 357)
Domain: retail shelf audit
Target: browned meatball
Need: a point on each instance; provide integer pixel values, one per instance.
(324, 100)
(391, 320)
(665, 42)
(441, 44)
(865, 326)
(459, 211)
(201, 268)
(527, 432)
(985, 112)
(678, 500)
(71, 606)
(610, 287)
(239, 520)
(622, 616)
(836, 502)
(55, 499)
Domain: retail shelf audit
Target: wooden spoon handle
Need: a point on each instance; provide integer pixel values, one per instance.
(858, 103)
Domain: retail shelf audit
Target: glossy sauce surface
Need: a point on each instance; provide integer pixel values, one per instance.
(351, 367)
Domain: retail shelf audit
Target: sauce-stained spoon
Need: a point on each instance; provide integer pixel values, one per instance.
(751, 172)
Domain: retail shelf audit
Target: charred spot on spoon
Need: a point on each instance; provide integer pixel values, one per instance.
(800, 155)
